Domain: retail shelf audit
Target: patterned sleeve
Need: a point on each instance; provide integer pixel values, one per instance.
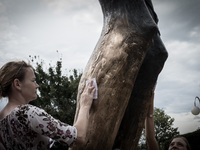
(44, 124)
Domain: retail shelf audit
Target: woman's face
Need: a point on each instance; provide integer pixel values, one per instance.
(178, 144)
(29, 86)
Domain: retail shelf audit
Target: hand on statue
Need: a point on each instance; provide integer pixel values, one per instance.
(151, 106)
(87, 95)
(153, 90)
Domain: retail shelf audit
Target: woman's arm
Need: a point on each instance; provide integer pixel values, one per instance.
(81, 123)
(149, 127)
(44, 124)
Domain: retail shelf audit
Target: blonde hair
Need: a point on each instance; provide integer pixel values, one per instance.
(10, 71)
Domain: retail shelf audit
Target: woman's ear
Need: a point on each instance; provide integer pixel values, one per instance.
(17, 84)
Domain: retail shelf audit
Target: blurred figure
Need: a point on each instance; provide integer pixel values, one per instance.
(178, 143)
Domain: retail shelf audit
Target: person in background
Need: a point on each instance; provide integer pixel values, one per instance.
(149, 126)
(26, 127)
(178, 143)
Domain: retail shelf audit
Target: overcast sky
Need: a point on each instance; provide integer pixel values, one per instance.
(73, 27)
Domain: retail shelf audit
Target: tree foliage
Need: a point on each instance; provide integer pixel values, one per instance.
(164, 130)
(57, 93)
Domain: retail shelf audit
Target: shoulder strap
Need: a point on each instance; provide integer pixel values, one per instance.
(3, 143)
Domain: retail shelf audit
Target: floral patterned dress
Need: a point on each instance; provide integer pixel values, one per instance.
(31, 128)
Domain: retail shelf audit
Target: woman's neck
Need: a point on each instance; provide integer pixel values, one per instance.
(11, 105)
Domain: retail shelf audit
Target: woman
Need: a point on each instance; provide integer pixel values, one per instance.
(178, 143)
(23, 126)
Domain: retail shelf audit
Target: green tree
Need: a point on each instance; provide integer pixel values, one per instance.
(164, 130)
(57, 93)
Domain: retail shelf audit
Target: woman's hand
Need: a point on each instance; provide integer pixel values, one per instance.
(87, 95)
(82, 121)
